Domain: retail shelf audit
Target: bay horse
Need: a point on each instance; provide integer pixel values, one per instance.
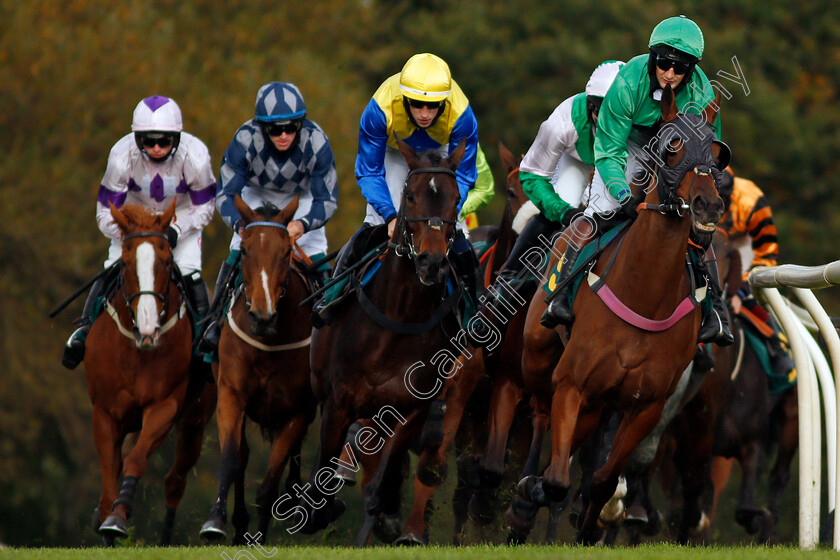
(612, 365)
(734, 416)
(263, 371)
(138, 367)
(369, 362)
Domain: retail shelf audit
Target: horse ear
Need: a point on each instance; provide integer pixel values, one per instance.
(408, 153)
(244, 210)
(286, 214)
(119, 217)
(668, 105)
(711, 111)
(508, 159)
(457, 154)
(166, 218)
(722, 154)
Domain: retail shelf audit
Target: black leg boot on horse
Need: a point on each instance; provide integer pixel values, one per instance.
(525, 257)
(559, 311)
(209, 338)
(74, 349)
(715, 326)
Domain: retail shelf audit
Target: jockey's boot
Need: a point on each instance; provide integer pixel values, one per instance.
(558, 310)
(528, 252)
(578, 234)
(197, 295)
(213, 331)
(321, 310)
(74, 349)
(715, 326)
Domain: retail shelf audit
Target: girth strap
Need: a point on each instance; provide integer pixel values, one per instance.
(405, 328)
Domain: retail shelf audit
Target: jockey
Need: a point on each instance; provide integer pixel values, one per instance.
(557, 168)
(423, 106)
(150, 166)
(748, 214)
(274, 157)
(627, 122)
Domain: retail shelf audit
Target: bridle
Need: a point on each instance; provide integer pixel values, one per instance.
(283, 287)
(435, 222)
(163, 297)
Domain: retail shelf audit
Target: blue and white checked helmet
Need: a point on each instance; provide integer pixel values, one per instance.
(278, 102)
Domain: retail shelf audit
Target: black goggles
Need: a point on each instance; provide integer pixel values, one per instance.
(276, 129)
(420, 103)
(152, 140)
(665, 64)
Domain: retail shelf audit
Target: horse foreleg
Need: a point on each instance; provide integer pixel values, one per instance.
(290, 437)
(156, 422)
(230, 419)
(633, 429)
(431, 468)
(747, 513)
(240, 517)
(108, 441)
(503, 402)
(565, 407)
(190, 436)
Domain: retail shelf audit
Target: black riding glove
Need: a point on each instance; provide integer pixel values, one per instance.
(172, 236)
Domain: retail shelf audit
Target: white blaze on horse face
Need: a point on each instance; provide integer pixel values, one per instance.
(432, 185)
(269, 304)
(147, 313)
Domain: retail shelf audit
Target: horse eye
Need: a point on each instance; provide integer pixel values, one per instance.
(511, 193)
(409, 197)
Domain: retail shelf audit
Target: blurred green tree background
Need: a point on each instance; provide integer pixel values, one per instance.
(72, 71)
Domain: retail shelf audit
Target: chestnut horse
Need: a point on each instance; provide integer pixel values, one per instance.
(138, 367)
(263, 367)
(609, 364)
(368, 363)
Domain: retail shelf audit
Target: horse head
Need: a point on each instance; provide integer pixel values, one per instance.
(428, 211)
(691, 162)
(514, 193)
(146, 268)
(266, 252)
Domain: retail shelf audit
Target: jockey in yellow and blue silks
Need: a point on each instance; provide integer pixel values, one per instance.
(424, 107)
(627, 121)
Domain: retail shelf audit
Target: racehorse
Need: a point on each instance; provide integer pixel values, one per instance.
(607, 363)
(138, 367)
(263, 371)
(368, 363)
(734, 416)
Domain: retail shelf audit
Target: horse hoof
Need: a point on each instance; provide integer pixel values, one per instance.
(114, 526)
(348, 477)
(388, 528)
(410, 539)
(107, 541)
(482, 508)
(488, 478)
(636, 515)
(531, 489)
(749, 519)
(213, 531)
(96, 522)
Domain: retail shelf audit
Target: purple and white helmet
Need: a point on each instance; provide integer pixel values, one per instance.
(157, 116)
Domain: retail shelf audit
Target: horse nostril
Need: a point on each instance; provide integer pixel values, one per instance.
(699, 204)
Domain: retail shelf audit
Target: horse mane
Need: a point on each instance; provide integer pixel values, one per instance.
(141, 216)
(267, 210)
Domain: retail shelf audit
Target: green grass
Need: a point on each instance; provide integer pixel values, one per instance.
(530, 552)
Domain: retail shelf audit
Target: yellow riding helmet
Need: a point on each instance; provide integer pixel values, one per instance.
(425, 77)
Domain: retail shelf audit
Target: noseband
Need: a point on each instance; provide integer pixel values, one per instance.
(435, 222)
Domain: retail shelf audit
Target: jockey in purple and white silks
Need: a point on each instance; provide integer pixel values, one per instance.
(154, 164)
(273, 158)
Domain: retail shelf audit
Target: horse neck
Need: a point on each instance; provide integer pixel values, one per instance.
(397, 292)
(652, 258)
